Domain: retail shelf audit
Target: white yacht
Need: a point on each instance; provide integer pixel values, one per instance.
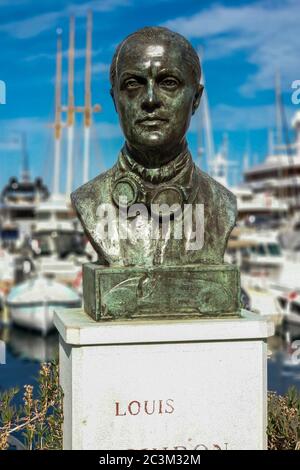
(54, 214)
(57, 242)
(258, 253)
(259, 256)
(259, 210)
(279, 174)
(19, 200)
(289, 305)
(7, 266)
(33, 302)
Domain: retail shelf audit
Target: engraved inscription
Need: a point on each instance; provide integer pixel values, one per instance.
(145, 407)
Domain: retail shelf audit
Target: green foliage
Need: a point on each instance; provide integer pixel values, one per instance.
(38, 419)
(284, 420)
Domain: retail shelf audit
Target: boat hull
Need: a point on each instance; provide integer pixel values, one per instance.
(38, 317)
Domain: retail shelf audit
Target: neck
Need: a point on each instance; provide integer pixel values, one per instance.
(155, 158)
(182, 163)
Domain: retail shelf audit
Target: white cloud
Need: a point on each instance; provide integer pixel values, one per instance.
(267, 32)
(24, 124)
(243, 118)
(97, 68)
(96, 5)
(33, 26)
(79, 54)
(233, 118)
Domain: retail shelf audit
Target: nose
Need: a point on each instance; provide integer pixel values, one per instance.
(151, 99)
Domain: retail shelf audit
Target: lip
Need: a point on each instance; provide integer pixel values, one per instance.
(151, 121)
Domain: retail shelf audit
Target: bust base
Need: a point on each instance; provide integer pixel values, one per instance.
(185, 384)
(171, 292)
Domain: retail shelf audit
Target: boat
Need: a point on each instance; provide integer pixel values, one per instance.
(58, 254)
(289, 304)
(260, 258)
(19, 200)
(7, 266)
(56, 242)
(258, 253)
(32, 303)
(61, 270)
(54, 214)
(289, 235)
(279, 173)
(261, 211)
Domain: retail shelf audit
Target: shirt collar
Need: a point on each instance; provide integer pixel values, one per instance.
(181, 165)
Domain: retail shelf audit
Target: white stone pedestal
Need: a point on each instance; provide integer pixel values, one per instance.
(191, 384)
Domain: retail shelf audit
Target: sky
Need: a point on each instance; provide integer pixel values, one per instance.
(243, 45)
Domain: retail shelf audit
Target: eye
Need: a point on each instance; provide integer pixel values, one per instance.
(131, 83)
(169, 83)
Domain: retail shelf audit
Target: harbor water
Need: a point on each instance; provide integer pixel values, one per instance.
(25, 351)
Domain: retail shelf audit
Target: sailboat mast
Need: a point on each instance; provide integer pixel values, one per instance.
(270, 142)
(57, 123)
(87, 99)
(25, 160)
(206, 123)
(71, 107)
(296, 126)
(279, 124)
(246, 158)
(225, 155)
(210, 150)
(88, 108)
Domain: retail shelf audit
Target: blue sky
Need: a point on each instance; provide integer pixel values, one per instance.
(243, 44)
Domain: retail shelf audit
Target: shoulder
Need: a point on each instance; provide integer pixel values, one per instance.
(96, 191)
(220, 210)
(88, 197)
(221, 198)
(92, 190)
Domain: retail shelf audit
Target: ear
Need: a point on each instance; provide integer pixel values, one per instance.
(113, 98)
(197, 97)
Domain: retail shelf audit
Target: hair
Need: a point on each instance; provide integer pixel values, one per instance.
(154, 32)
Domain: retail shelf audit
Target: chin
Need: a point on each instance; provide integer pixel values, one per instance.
(153, 140)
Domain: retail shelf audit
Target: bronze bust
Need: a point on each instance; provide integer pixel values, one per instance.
(155, 85)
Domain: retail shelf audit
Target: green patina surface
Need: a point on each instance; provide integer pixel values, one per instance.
(155, 77)
(165, 291)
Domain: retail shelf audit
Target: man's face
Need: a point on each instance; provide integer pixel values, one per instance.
(155, 95)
